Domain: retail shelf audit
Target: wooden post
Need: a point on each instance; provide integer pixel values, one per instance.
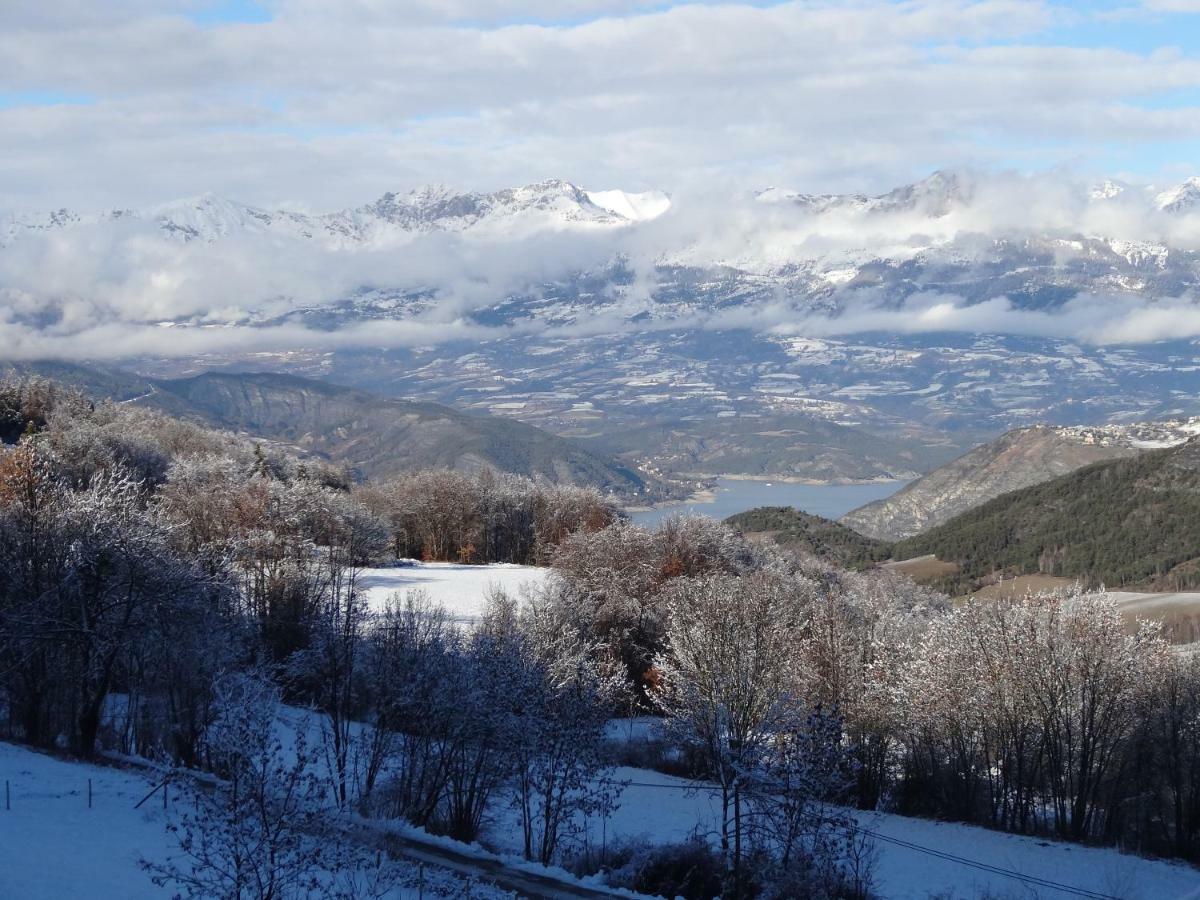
(89, 793)
(7, 796)
(420, 881)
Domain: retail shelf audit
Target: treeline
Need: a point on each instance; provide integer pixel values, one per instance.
(487, 518)
(141, 555)
(1043, 715)
(1039, 715)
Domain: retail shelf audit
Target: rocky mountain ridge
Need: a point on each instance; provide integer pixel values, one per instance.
(1016, 460)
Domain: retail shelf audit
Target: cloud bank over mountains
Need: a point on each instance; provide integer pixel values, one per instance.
(313, 104)
(1046, 255)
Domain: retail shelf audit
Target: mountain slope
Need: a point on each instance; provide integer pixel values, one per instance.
(1014, 460)
(1122, 522)
(381, 437)
(824, 538)
(547, 205)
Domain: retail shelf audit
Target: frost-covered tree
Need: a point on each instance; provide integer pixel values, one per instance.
(728, 682)
(261, 831)
(561, 775)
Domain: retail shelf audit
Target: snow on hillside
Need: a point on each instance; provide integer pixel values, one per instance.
(52, 846)
(462, 590)
(552, 205)
(1181, 197)
(660, 809)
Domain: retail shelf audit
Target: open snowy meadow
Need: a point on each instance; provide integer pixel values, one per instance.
(462, 590)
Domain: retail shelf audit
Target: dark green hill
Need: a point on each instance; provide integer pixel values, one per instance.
(1122, 522)
(823, 538)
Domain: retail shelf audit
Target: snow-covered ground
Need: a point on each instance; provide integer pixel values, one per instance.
(462, 590)
(1146, 604)
(52, 846)
(659, 809)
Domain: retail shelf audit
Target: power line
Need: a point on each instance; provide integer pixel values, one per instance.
(986, 867)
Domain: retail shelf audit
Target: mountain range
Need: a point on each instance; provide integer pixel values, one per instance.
(209, 217)
(823, 336)
(560, 205)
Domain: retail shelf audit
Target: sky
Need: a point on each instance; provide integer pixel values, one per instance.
(319, 105)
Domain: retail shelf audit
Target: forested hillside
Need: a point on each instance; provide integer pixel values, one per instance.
(1015, 460)
(824, 538)
(1125, 522)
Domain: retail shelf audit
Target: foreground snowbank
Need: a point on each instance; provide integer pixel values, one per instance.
(53, 846)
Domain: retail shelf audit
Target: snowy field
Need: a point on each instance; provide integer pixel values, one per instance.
(462, 590)
(52, 846)
(658, 808)
(1156, 604)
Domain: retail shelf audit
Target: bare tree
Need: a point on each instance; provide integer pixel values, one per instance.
(727, 682)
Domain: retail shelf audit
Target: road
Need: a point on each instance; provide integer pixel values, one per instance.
(533, 885)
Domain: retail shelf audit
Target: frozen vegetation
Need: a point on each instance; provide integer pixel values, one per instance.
(235, 619)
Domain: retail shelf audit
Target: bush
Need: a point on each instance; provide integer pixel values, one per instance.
(692, 870)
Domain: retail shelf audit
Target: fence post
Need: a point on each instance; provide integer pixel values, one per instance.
(7, 796)
(420, 881)
(89, 793)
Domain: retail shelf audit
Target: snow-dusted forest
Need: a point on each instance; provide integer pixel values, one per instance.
(218, 612)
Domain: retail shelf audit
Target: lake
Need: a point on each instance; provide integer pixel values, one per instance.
(734, 496)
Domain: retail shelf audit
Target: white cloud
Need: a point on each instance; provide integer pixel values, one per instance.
(332, 103)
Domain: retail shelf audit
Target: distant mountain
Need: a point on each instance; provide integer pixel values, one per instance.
(1015, 460)
(1124, 522)
(375, 436)
(816, 335)
(785, 444)
(382, 437)
(548, 205)
(1183, 197)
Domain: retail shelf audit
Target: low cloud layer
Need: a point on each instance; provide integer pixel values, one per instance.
(108, 289)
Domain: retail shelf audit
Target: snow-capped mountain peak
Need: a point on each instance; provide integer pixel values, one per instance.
(636, 207)
(934, 196)
(1106, 190)
(1180, 198)
(205, 217)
